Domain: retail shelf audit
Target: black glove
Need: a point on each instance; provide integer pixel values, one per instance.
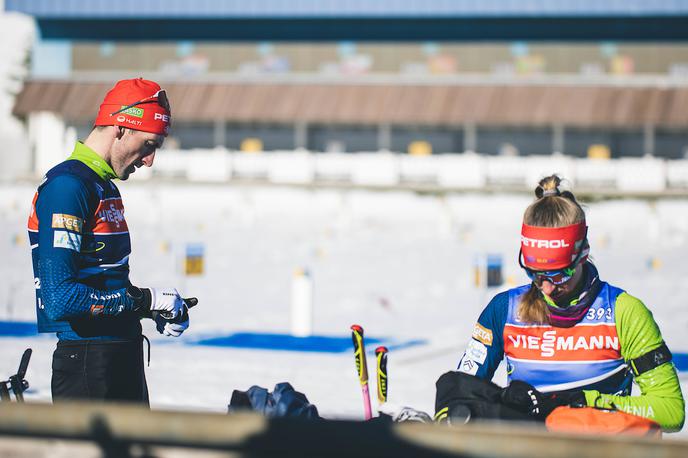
(463, 398)
(524, 397)
(142, 300)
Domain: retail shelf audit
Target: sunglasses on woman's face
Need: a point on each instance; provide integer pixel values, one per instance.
(556, 277)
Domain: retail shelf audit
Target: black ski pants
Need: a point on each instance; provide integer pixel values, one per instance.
(99, 370)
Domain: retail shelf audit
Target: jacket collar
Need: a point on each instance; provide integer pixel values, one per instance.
(92, 160)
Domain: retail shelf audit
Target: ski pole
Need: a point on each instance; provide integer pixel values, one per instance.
(188, 303)
(361, 367)
(19, 385)
(16, 382)
(381, 354)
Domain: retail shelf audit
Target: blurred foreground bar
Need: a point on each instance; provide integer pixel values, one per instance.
(81, 429)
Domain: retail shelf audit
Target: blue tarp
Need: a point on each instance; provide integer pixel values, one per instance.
(18, 329)
(281, 342)
(285, 342)
(681, 361)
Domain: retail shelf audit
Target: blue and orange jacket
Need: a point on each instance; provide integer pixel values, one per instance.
(557, 359)
(80, 249)
(592, 356)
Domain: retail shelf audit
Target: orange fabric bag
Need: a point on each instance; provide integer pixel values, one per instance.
(592, 420)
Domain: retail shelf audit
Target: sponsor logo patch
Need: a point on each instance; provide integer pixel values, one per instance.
(469, 367)
(133, 122)
(585, 343)
(476, 351)
(110, 217)
(105, 297)
(536, 243)
(482, 334)
(97, 309)
(69, 240)
(133, 111)
(69, 222)
(640, 411)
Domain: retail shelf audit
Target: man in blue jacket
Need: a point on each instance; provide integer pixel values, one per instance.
(80, 248)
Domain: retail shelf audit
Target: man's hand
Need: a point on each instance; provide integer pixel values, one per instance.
(175, 327)
(166, 301)
(524, 397)
(170, 328)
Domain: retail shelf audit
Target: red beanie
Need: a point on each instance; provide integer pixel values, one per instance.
(148, 116)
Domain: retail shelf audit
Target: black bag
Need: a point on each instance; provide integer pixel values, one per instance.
(462, 397)
(284, 401)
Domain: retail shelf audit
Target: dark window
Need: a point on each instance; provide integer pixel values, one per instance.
(621, 143)
(193, 135)
(671, 144)
(342, 138)
(441, 140)
(514, 141)
(274, 137)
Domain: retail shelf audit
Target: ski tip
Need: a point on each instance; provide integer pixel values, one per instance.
(381, 349)
(357, 328)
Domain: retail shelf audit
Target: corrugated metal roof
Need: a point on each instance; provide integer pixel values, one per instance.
(59, 9)
(371, 104)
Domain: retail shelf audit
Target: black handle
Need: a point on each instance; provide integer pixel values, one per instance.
(189, 302)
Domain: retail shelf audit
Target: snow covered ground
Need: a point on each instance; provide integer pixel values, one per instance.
(399, 264)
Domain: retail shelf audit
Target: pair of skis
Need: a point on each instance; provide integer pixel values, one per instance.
(362, 370)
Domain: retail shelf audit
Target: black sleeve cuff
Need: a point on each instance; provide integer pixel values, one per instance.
(141, 298)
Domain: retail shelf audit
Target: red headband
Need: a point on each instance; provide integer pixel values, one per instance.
(553, 248)
(148, 117)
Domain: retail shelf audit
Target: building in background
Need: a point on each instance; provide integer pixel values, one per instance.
(433, 77)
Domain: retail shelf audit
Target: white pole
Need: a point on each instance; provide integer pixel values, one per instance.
(301, 303)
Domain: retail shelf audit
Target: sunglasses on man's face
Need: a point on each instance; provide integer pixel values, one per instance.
(160, 97)
(151, 145)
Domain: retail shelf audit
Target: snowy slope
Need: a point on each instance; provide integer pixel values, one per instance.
(397, 263)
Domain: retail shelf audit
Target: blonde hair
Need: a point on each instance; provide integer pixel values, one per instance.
(552, 208)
